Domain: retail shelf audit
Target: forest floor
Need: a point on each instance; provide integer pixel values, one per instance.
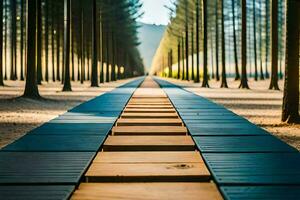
(20, 115)
(259, 105)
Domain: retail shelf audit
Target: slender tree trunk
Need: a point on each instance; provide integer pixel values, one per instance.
(1, 42)
(224, 81)
(58, 43)
(192, 52)
(274, 46)
(94, 81)
(46, 40)
(237, 73)
(183, 62)
(13, 40)
(31, 88)
(67, 38)
(72, 46)
(102, 53)
(178, 59)
(22, 41)
(82, 58)
(262, 77)
(254, 41)
(205, 71)
(244, 80)
(197, 80)
(267, 39)
(53, 12)
(39, 42)
(5, 39)
(290, 108)
(107, 56)
(217, 41)
(113, 63)
(187, 41)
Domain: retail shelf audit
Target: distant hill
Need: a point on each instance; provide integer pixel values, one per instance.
(150, 36)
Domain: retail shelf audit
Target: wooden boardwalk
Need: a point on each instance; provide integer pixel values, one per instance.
(148, 156)
(154, 142)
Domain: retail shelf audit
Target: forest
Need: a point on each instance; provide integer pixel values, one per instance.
(234, 38)
(72, 40)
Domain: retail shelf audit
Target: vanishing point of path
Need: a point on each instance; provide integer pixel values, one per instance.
(148, 156)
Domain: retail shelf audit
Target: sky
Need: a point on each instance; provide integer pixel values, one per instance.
(155, 12)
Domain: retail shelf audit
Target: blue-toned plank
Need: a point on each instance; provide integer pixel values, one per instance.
(254, 168)
(241, 144)
(56, 143)
(261, 192)
(218, 131)
(36, 192)
(43, 167)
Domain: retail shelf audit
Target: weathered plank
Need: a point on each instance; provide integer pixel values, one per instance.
(149, 122)
(146, 172)
(149, 191)
(149, 130)
(135, 110)
(149, 115)
(149, 143)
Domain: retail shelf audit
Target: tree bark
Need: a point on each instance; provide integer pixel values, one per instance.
(262, 77)
(22, 41)
(204, 24)
(46, 40)
(13, 38)
(290, 108)
(197, 80)
(39, 42)
(67, 38)
(254, 41)
(224, 81)
(267, 39)
(244, 81)
(187, 41)
(31, 88)
(178, 60)
(1, 42)
(274, 46)
(217, 41)
(237, 73)
(94, 81)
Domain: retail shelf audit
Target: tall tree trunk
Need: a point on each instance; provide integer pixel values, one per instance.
(183, 65)
(244, 81)
(237, 73)
(31, 88)
(13, 38)
(72, 46)
(46, 40)
(290, 108)
(274, 46)
(22, 41)
(58, 42)
(254, 41)
(82, 58)
(107, 56)
(53, 12)
(178, 59)
(192, 52)
(67, 38)
(224, 81)
(5, 39)
(187, 41)
(267, 38)
(262, 77)
(205, 71)
(39, 42)
(113, 63)
(197, 80)
(217, 40)
(94, 81)
(102, 52)
(1, 42)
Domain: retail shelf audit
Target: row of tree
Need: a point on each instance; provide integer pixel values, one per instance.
(70, 40)
(245, 38)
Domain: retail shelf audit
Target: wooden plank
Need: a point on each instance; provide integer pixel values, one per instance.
(149, 130)
(149, 157)
(150, 106)
(149, 191)
(149, 143)
(147, 172)
(135, 110)
(149, 115)
(148, 103)
(149, 122)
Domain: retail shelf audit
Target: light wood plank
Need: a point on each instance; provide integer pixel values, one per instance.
(149, 115)
(149, 130)
(149, 157)
(148, 191)
(136, 110)
(150, 106)
(149, 143)
(149, 122)
(147, 172)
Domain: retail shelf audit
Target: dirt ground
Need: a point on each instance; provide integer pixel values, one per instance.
(259, 105)
(19, 115)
